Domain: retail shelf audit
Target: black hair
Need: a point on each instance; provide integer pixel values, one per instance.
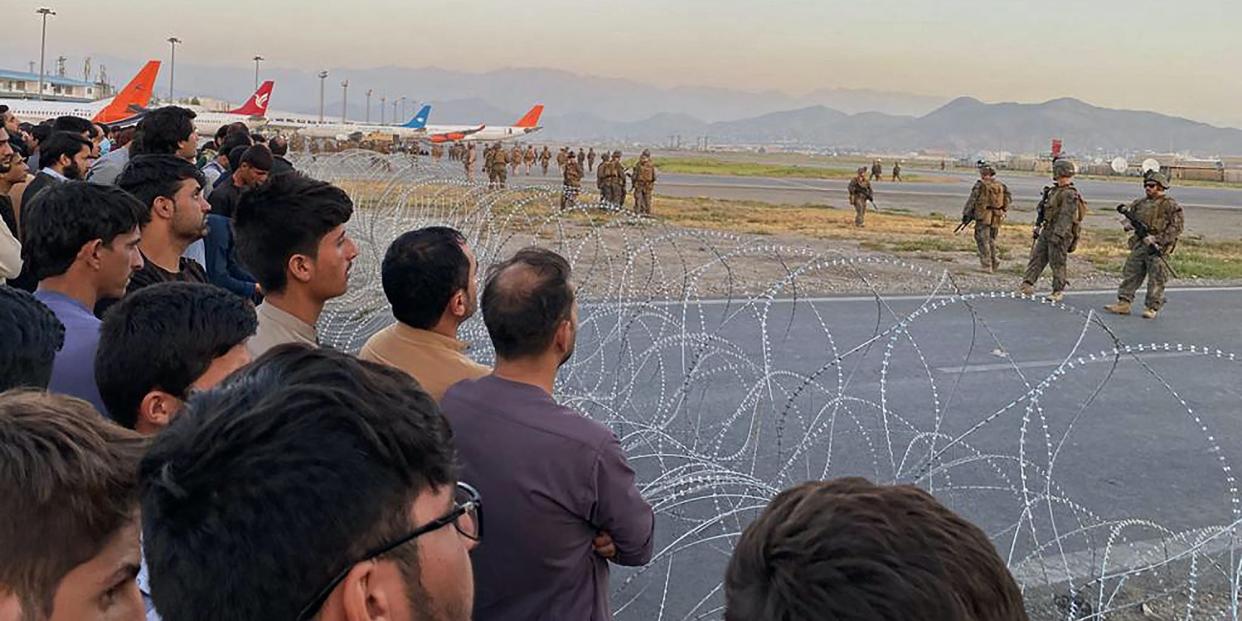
(75, 124)
(258, 156)
(150, 176)
(40, 133)
(421, 271)
(270, 502)
(278, 145)
(525, 300)
(30, 336)
(288, 215)
(60, 143)
(164, 337)
(70, 215)
(220, 133)
(236, 153)
(162, 129)
(231, 142)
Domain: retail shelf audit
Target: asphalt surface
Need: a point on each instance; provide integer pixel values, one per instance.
(1145, 437)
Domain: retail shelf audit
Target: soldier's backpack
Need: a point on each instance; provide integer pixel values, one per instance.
(646, 173)
(1079, 215)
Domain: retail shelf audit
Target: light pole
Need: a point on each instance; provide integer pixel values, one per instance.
(383, 107)
(257, 59)
(344, 99)
(323, 75)
(172, 65)
(401, 100)
(368, 106)
(43, 45)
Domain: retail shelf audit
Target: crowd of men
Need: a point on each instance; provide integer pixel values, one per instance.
(176, 446)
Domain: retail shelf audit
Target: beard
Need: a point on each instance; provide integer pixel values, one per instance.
(73, 172)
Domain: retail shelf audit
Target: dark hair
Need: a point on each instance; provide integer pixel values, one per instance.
(259, 138)
(164, 337)
(525, 300)
(40, 133)
(278, 145)
(68, 478)
(233, 141)
(258, 156)
(150, 176)
(288, 215)
(30, 336)
(851, 550)
(421, 271)
(61, 143)
(70, 215)
(220, 133)
(162, 129)
(246, 474)
(236, 153)
(237, 127)
(74, 124)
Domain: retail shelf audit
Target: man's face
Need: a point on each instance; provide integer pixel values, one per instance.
(330, 277)
(1152, 189)
(16, 169)
(250, 176)
(188, 149)
(6, 149)
(10, 122)
(76, 168)
(190, 210)
(118, 261)
(445, 576)
(104, 588)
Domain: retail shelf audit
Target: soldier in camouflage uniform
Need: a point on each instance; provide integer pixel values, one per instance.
(469, 158)
(489, 154)
(877, 171)
(1056, 231)
(581, 158)
(618, 179)
(515, 159)
(643, 179)
(1162, 220)
(860, 193)
(573, 184)
(897, 171)
(529, 159)
(561, 158)
(603, 181)
(500, 163)
(544, 157)
(591, 159)
(989, 201)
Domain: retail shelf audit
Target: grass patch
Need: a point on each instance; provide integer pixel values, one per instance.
(709, 166)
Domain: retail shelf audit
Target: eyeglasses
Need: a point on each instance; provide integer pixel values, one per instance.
(466, 516)
(1151, 185)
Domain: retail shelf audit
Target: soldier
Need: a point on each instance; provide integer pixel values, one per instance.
(529, 160)
(591, 159)
(618, 180)
(860, 193)
(989, 200)
(581, 158)
(489, 156)
(561, 157)
(573, 184)
(897, 171)
(601, 181)
(515, 158)
(437, 151)
(644, 178)
(1155, 222)
(500, 163)
(1056, 231)
(877, 171)
(469, 157)
(544, 157)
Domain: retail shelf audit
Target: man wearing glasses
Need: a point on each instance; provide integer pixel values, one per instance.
(1155, 222)
(310, 485)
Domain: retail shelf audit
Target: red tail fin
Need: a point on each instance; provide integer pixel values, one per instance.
(257, 104)
(532, 117)
(136, 93)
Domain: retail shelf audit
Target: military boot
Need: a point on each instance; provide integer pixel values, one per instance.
(1026, 289)
(986, 268)
(1150, 313)
(1122, 307)
(1056, 296)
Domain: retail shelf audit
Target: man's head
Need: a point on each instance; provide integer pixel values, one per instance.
(172, 190)
(529, 306)
(86, 231)
(169, 131)
(6, 149)
(39, 134)
(74, 125)
(1155, 183)
(253, 166)
(986, 170)
(848, 549)
(290, 231)
(69, 528)
(862, 171)
(13, 169)
(279, 145)
(31, 335)
(161, 342)
(246, 475)
(66, 153)
(1062, 169)
(10, 121)
(429, 275)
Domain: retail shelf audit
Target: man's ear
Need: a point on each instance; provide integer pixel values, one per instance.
(301, 268)
(157, 409)
(361, 597)
(564, 339)
(457, 304)
(163, 207)
(89, 252)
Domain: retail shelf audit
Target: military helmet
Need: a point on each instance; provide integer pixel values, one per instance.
(647, 152)
(985, 167)
(1158, 177)
(1062, 168)
(862, 170)
(616, 154)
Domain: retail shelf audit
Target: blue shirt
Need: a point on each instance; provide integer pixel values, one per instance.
(73, 370)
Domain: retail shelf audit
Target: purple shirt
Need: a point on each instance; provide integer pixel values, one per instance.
(73, 371)
(550, 478)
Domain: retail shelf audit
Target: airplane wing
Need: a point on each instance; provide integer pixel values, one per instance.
(453, 136)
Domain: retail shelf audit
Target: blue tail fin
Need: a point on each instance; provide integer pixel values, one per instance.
(420, 120)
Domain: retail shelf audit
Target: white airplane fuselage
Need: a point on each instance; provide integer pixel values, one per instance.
(34, 111)
(208, 123)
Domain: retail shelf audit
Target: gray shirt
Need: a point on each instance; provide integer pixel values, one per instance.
(550, 479)
(107, 168)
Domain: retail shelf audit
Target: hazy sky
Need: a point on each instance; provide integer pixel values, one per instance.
(1174, 57)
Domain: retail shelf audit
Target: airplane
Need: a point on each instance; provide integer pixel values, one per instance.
(252, 113)
(529, 123)
(109, 111)
(337, 130)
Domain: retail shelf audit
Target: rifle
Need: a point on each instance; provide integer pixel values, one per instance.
(871, 199)
(1141, 231)
(1039, 211)
(966, 221)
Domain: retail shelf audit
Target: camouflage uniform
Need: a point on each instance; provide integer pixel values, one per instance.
(877, 171)
(644, 178)
(573, 184)
(500, 162)
(581, 157)
(529, 160)
(489, 155)
(601, 181)
(617, 178)
(544, 156)
(860, 192)
(1164, 221)
(469, 157)
(989, 201)
(591, 159)
(515, 158)
(1058, 234)
(897, 171)
(561, 158)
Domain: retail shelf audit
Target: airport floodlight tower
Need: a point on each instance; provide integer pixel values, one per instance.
(45, 12)
(368, 106)
(401, 101)
(344, 99)
(172, 65)
(257, 59)
(383, 107)
(323, 75)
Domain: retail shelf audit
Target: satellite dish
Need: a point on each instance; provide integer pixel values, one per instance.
(1150, 164)
(1119, 165)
